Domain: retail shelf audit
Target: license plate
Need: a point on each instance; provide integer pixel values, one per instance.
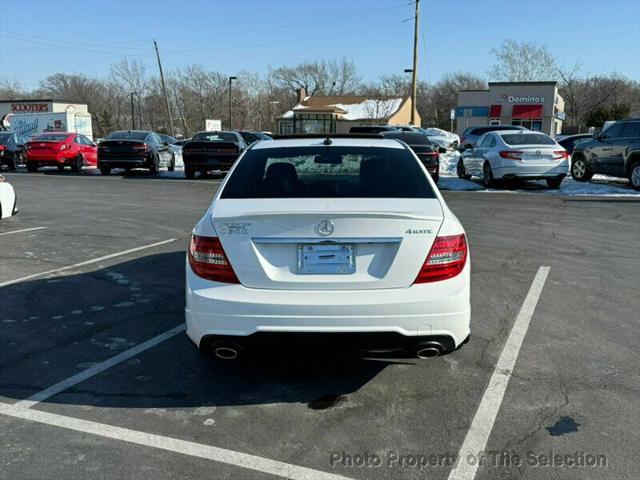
(318, 259)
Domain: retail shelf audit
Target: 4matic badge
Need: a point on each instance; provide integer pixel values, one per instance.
(419, 231)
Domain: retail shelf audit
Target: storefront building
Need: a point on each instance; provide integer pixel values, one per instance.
(46, 105)
(534, 105)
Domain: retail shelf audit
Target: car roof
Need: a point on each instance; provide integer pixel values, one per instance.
(336, 142)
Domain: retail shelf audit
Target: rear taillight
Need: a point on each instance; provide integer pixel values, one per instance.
(511, 154)
(142, 147)
(2, 147)
(208, 260)
(446, 259)
(560, 154)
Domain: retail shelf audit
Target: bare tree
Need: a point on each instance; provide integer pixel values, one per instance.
(323, 77)
(522, 62)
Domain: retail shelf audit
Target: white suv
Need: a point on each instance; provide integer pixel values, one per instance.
(339, 237)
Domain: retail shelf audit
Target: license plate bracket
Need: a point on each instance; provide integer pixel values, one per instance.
(326, 259)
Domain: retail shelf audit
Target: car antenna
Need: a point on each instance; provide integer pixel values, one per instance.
(327, 141)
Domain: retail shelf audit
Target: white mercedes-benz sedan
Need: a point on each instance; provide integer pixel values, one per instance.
(510, 155)
(339, 238)
(8, 205)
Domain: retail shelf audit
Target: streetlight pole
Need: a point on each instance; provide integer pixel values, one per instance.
(274, 102)
(414, 73)
(231, 79)
(133, 115)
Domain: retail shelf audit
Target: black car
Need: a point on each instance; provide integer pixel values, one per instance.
(472, 134)
(211, 151)
(569, 143)
(10, 150)
(250, 137)
(134, 149)
(615, 151)
(427, 152)
(373, 129)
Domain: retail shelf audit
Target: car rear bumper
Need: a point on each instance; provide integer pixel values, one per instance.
(532, 170)
(51, 159)
(222, 163)
(136, 162)
(426, 310)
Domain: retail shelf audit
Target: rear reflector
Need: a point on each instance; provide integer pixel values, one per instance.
(208, 260)
(445, 260)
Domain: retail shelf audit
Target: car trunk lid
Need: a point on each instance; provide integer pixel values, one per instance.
(330, 243)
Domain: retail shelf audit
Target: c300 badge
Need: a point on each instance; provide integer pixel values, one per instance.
(234, 228)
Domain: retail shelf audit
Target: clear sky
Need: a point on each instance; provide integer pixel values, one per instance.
(39, 38)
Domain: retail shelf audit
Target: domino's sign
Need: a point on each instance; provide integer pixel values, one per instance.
(524, 99)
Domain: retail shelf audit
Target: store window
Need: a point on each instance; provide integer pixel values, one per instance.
(494, 121)
(314, 123)
(530, 123)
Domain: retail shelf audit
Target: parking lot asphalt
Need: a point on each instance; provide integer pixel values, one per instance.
(168, 411)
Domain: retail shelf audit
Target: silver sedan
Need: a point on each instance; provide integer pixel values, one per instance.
(510, 155)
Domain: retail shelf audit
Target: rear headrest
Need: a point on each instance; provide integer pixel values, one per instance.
(281, 170)
(374, 170)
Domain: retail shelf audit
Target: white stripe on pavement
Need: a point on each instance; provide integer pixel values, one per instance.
(98, 368)
(87, 262)
(23, 230)
(199, 450)
(482, 424)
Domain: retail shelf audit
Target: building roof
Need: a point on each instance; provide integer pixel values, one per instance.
(549, 82)
(349, 107)
(41, 100)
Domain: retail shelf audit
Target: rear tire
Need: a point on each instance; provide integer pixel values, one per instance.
(580, 170)
(32, 167)
(189, 172)
(436, 178)
(105, 170)
(77, 164)
(153, 168)
(61, 168)
(12, 165)
(554, 183)
(172, 165)
(634, 175)
(487, 175)
(462, 172)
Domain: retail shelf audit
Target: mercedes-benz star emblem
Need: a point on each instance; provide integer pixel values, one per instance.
(325, 227)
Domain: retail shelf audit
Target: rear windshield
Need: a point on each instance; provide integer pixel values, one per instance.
(52, 137)
(527, 139)
(5, 137)
(215, 137)
(409, 137)
(127, 135)
(328, 172)
(483, 130)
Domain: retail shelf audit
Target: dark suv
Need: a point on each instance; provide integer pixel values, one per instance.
(615, 151)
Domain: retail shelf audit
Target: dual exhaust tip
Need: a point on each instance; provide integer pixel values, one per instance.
(229, 351)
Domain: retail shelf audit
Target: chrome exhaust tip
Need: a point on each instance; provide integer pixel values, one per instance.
(428, 349)
(226, 352)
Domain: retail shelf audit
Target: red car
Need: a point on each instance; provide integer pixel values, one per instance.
(60, 149)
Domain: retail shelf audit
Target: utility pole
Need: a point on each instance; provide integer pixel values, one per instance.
(414, 74)
(164, 89)
(133, 114)
(231, 79)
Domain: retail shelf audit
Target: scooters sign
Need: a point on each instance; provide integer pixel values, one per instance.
(29, 107)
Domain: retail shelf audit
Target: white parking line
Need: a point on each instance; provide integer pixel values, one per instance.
(482, 424)
(98, 368)
(199, 450)
(22, 231)
(86, 262)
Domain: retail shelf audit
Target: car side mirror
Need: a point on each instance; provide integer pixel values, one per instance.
(597, 134)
